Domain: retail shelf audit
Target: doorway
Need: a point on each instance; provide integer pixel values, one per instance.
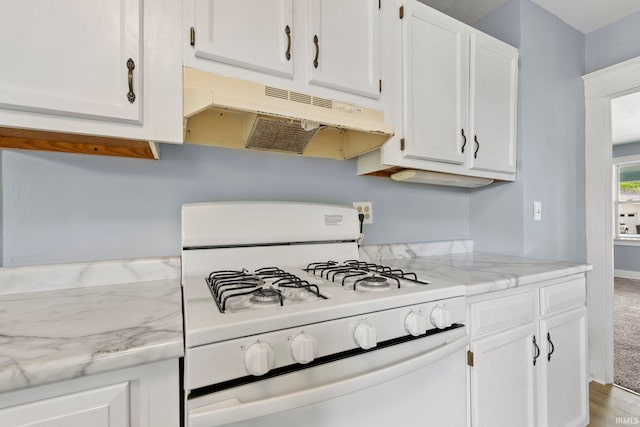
(625, 124)
(601, 87)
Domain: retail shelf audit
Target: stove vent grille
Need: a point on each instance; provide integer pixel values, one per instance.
(275, 134)
(302, 98)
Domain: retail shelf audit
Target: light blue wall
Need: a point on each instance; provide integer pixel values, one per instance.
(631, 149)
(550, 142)
(61, 207)
(552, 132)
(54, 204)
(626, 258)
(614, 43)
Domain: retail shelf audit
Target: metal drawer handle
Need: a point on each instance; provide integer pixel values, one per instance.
(475, 153)
(465, 140)
(287, 31)
(131, 96)
(537, 354)
(553, 347)
(316, 42)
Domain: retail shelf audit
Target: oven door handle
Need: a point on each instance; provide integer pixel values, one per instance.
(233, 410)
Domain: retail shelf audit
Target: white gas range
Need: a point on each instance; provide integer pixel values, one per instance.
(282, 317)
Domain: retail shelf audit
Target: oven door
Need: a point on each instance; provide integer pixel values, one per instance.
(417, 383)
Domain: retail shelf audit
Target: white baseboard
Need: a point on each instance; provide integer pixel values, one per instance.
(627, 274)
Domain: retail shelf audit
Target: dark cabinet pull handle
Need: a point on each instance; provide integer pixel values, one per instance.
(553, 347)
(465, 140)
(537, 354)
(475, 153)
(287, 31)
(316, 42)
(131, 96)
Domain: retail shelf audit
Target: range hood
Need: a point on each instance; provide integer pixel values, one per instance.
(234, 113)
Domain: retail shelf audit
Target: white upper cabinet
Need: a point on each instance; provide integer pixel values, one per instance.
(326, 48)
(494, 87)
(435, 91)
(247, 33)
(344, 40)
(454, 98)
(79, 58)
(93, 67)
(459, 93)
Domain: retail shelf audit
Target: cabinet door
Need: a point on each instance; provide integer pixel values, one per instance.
(71, 58)
(256, 35)
(563, 386)
(502, 379)
(494, 87)
(435, 84)
(104, 406)
(344, 45)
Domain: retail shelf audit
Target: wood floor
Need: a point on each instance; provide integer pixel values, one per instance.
(612, 406)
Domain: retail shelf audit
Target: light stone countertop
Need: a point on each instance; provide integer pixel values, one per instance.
(484, 272)
(55, 335)
(58, 335)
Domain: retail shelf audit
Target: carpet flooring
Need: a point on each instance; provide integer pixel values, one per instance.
(627, 333)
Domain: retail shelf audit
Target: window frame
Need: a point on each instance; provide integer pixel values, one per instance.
(622, 239)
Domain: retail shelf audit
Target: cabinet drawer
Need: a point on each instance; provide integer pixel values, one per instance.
(563, 296)
(501, 313)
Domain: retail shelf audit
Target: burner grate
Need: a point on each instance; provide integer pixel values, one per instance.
(263, 286)
(362, 273)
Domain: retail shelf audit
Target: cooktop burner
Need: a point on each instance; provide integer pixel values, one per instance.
(235, 290)
(364, 276)
(377, 283)
(267, 296)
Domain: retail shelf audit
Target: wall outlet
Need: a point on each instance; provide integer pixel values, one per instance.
(365, 208)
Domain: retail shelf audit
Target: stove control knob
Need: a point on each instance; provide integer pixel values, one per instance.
(441, 317)
(259, 358)
(415, 324)
(304, 348)
(365, 336)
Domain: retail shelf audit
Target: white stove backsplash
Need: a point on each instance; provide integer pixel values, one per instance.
(379, 253)
(84, 274)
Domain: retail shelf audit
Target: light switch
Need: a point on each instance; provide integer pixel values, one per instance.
(537, 210)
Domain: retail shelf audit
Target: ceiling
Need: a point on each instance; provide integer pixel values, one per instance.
(584, 15)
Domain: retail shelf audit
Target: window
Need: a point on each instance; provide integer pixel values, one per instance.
(627, 201)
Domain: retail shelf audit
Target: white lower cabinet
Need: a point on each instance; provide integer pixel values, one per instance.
(104, 406)
(563, 387)
(510, 400)
(143, 396)
(528, 366)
